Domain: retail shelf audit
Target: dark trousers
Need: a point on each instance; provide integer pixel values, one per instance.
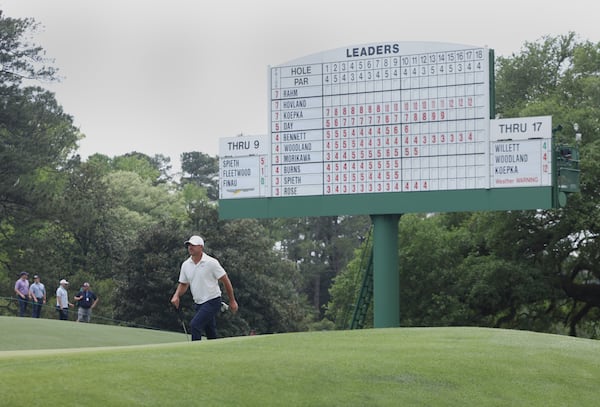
(63, 313)
(37, 308)
(205, 319)
(22, 306)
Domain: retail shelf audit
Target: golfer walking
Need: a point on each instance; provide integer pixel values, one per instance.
(202, 274)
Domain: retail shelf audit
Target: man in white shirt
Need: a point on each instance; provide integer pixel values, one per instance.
(202, 274)
(62, 300)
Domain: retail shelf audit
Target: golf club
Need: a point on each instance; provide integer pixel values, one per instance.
(180, 316)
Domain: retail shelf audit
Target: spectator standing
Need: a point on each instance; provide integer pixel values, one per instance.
(37, 294)
(62, 300)
(22, 291)
(86, 301)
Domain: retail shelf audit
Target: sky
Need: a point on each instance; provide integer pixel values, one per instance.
(167, 77)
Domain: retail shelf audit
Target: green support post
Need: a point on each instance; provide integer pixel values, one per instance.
(386, 278)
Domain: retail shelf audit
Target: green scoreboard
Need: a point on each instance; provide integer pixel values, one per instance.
(382, 129)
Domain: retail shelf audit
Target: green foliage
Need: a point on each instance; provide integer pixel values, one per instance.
(532, 75)
(82, 211)
(135, 194)
(20, 59)
(268, 286)
(322, 325)
(148, 277)
(566, 240)
(429, 254)
(195, 199)
(36, 136)
(152, 169)
(36, 141)
(345, 288)
(496, 290)
(202, 170)
(484, 269)
(321, 247)
(136, 164)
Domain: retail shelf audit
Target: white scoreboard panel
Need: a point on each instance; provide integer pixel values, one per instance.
(376, 118)
(521, 152)
(244, 167)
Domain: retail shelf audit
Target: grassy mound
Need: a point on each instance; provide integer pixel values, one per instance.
(30, 334)
(379, 367)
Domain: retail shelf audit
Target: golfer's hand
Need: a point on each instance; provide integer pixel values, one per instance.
(233, 306)
(175, 301)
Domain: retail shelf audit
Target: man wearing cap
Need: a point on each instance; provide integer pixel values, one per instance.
(22, 291)
(62, 300)
(86, 300)
(37, 294)
(202, 274)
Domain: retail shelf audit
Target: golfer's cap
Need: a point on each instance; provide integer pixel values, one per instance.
(24, 273)
(36, 276)
(195, 241)
(63, 281)
(86, 284)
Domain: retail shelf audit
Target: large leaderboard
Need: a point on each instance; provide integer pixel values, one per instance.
(380, 118)
(381, 125)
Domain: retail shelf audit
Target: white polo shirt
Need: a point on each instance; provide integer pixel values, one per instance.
(202, 277)
(62, 297)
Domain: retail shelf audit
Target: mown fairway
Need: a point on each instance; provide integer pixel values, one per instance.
(381, 367)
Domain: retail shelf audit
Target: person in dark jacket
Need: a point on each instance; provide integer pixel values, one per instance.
(86, 301)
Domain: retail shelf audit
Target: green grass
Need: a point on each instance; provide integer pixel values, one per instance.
(29, 334)
(379, 367)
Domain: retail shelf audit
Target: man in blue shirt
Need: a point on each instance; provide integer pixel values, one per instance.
(37, 294)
